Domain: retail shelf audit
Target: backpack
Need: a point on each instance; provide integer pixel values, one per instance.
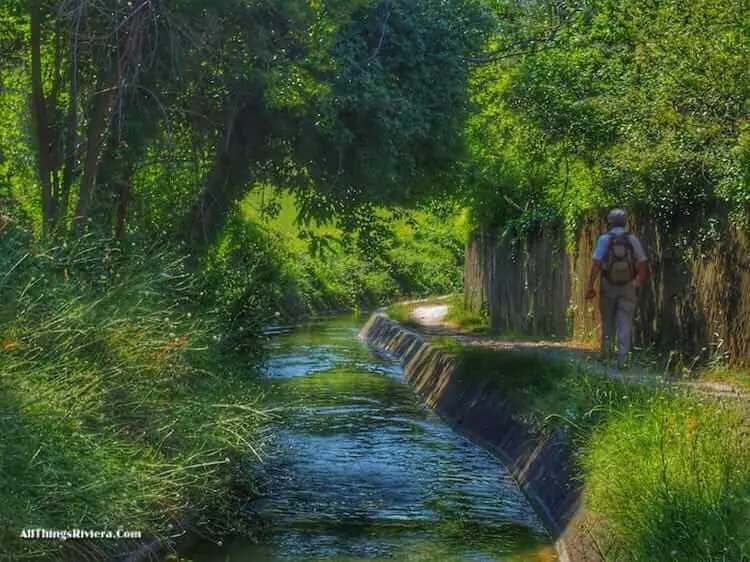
(620, 262)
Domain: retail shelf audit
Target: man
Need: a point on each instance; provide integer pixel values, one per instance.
(620, 264)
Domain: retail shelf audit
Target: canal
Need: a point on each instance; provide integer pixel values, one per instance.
(359, 470)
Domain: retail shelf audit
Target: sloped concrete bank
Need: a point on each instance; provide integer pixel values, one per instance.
(541, 462)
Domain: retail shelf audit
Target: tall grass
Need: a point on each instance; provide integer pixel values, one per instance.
(119, 404)
(669, 473)
(460, 315)
(672, 476)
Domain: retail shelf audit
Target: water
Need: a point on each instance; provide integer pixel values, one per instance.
(359, 470)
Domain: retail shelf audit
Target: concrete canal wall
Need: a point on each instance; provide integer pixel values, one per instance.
(541, 462)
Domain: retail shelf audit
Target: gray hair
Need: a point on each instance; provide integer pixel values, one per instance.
(617, 217)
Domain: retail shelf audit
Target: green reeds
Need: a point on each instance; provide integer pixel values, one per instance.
(119, 405)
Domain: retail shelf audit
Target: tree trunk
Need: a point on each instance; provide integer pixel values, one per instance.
(123, 197)
(103, 103)
(71, 141)
(243, 145)
(39, 113)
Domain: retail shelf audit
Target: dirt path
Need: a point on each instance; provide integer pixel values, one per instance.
(432, 315)
(430, 318)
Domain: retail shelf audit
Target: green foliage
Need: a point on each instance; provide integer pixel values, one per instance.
(17, 179)
(245, 279)
(631, 103)
(119, 405)
(425, 253)
(468, 320)
(672, 476)
(161, 116)
(392, 116)
(267, 263)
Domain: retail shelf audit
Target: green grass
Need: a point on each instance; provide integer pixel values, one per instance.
(554, 389)
(120, 405)
(668, 472)
(400, 312)
(672, 477)
(470, 321)
(729, 375)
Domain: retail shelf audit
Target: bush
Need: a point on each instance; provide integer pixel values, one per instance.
(266, 263)
(245, 282)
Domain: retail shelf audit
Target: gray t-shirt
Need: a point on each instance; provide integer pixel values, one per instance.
(602, 245)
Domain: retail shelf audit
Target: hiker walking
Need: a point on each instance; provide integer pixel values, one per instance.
(620, 264)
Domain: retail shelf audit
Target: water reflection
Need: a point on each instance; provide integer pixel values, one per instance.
(360, 470)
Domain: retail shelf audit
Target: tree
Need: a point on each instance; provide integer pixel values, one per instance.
(351, 103)
(375, 116)
(626, 102)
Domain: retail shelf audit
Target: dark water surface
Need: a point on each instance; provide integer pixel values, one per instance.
(359, 470)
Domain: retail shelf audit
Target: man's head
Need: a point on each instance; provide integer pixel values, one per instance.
(617, 217)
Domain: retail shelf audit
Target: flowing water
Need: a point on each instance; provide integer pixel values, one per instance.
(359, 470)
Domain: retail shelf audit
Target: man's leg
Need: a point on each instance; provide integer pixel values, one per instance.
(625, 312)
(608, 309)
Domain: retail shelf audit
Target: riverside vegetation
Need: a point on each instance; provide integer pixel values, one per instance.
(135, 278)
(122, 404)
(172, 175)
(129, 393)
(665, 472)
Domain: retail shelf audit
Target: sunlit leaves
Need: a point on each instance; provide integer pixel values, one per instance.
(638, 102)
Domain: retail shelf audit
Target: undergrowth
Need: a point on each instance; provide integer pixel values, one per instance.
(121, 405)
(469, 320)
(322, 268)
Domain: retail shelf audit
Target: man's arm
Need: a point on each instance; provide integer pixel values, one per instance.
(600, 251)
(596, 268)
(641, 265)
(641, 272)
